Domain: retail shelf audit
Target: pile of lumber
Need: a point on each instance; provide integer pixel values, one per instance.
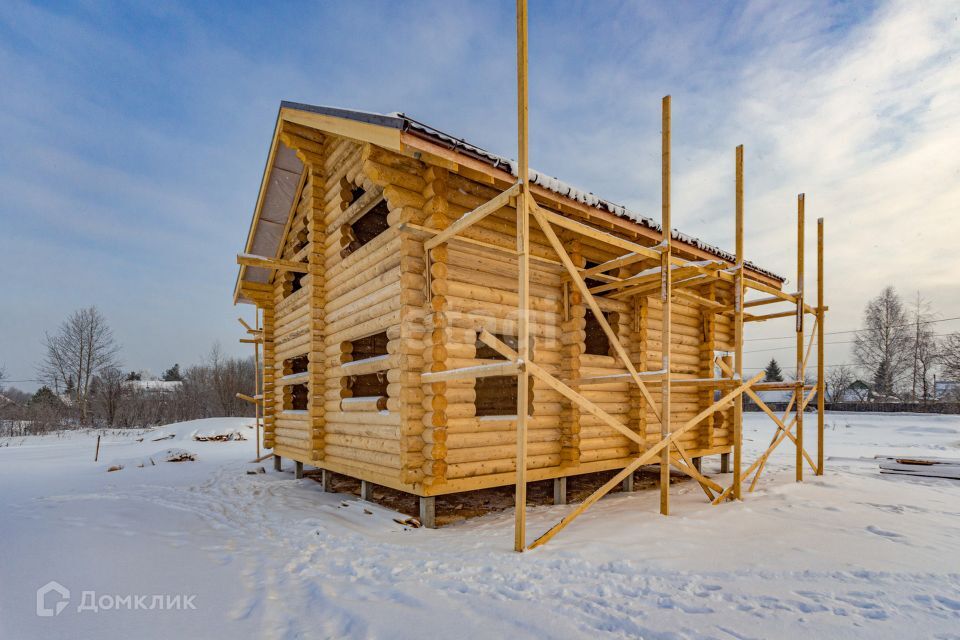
(925, 467)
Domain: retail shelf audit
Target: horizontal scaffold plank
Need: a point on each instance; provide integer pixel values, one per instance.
(479, 371)
(250, 260)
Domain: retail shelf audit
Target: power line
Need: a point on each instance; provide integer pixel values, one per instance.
(936, 335)
(834, 333)
(827, 366)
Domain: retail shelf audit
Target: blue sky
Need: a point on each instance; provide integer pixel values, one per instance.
(134, 136)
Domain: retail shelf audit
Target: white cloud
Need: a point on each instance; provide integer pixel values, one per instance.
(111, 134)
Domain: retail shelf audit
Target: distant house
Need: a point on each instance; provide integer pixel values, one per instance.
(152, 386)
(946, 390)
(859, 391)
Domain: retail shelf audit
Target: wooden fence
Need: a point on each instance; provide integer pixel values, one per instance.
(875, 407)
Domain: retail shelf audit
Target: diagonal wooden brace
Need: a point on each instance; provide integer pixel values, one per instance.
(758, 463)
(763, 407)
(592, 303)
(500, 347)
(645, 457)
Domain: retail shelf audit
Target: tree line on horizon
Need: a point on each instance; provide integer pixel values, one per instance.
(85, 386)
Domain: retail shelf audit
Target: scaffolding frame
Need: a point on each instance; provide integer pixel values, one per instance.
(675, 274)
(256, 339)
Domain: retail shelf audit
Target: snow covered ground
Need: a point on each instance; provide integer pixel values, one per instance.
(852, 554)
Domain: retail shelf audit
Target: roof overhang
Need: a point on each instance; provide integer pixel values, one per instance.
(282, 175)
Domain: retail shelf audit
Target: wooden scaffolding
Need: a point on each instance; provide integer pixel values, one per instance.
(675, 276)
(333, 310)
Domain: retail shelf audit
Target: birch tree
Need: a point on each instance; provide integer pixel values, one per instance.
(925, 349)
(82, 347)
(883, 346)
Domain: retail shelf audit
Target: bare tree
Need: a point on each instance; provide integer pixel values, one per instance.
(926, 348)
(950, 356)
(227, 376)
(82, 346)
(109, 392)
(838, 381)
(883, 346)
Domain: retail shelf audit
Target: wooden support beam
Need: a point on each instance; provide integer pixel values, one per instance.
(470, 373)
(684, 277)
(762, 301)
(616, 263)
(763, 407)
(642, 459)
(279, 264)
(738, 291)
(779, 386)
(428, 511)
(821, 380)
(688, 467)
(712, 305)
(503, 349)
(771, 316)
(596, 234)
(421, 231)
(666, 304)
(560, 490)
(472, 217)
(543, 221)
(800, 316)
(778, 437)
(293, 378)
(648, 281)
(648, 376)
(366, 490)
(257, 378)
(523, 288)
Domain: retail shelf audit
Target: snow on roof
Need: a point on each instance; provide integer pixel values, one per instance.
(399, 120)
(152, 385)
(569, 191)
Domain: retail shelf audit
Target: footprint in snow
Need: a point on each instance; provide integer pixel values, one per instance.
(666, 602)
(883, 532)
(949, 603)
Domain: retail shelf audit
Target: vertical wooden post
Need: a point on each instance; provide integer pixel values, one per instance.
(326, 479)
(800, 313)
(821, 383)
(560, 490)
(96, 454)
(256, 383)
(428, 512)
(523, 262)
(665, 296)
(738, 331)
